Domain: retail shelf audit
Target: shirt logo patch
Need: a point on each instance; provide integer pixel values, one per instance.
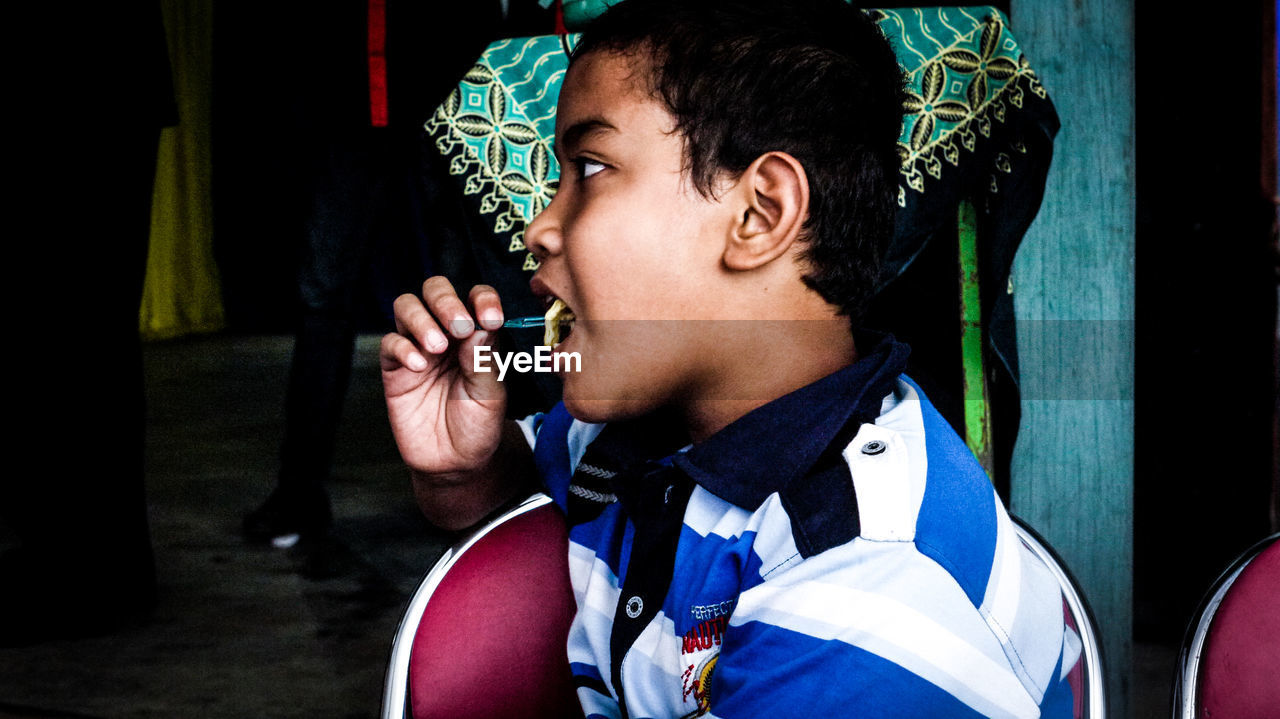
(698, 683)
(705, 635)
(711, 611)
(699, 651)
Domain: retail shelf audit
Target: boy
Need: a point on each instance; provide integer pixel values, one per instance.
(765, 516)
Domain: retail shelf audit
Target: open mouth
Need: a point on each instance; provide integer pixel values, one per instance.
(559, 323)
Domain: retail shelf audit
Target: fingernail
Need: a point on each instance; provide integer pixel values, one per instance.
(436, 340)
(491, 319)
(417, 362)
(461, 327)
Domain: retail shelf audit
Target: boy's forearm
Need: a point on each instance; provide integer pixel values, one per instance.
(459, 500)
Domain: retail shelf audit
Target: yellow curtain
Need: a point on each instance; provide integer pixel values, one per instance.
(182, 294)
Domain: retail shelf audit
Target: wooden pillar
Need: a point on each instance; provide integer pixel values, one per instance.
(1072, 473)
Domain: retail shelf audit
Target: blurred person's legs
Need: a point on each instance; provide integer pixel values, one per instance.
(333, 267)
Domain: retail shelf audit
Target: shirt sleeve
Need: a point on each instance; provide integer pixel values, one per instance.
(872, 631)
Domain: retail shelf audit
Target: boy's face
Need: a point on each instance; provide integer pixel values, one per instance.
(629, 245)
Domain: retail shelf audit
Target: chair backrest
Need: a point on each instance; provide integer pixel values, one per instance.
(1088, 682)
(485, 634)
(1229, 664)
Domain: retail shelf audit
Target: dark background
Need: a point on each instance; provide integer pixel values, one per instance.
(1205, 452)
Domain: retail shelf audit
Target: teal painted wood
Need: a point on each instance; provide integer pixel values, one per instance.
(1072, 472)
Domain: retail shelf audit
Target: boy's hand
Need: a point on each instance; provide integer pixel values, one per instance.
(446, 417)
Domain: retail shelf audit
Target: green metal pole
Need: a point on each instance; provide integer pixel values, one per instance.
(977, 407)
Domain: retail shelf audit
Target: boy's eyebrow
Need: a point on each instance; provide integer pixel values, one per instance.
(568, 141)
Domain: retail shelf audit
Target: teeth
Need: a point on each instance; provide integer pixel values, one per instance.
(559, 319)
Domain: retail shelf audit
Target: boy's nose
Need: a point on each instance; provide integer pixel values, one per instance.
(542, 236)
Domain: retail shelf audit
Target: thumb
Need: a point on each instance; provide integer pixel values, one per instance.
(478, 367)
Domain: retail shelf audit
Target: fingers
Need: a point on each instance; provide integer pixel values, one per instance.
(487, 306)
(442, 301)
(424, 319)
(424, 325)
(482, 384)
(398, 351)
(415, 323)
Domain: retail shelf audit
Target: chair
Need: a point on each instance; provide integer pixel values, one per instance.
(484, 635)
(506, 586)
(1229, 663)
(1088, 682)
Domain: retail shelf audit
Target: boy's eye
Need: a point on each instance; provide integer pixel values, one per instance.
(587, 168)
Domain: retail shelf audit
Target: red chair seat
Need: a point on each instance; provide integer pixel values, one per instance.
(491, 641)
(1240, 672)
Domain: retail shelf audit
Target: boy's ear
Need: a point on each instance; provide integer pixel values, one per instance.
(774, 191)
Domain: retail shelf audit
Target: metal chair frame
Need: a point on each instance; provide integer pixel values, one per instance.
(395, 696)
(1186, 681)
(1094, 680)
(395, 699)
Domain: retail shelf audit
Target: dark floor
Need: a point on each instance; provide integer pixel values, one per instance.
(244, 632)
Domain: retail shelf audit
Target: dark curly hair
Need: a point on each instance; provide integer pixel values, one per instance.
(813, 78)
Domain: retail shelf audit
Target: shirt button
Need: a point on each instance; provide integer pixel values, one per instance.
(873, 447)
(635, 605)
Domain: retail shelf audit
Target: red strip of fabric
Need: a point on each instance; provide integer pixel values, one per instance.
(377, 53)
(560, 28)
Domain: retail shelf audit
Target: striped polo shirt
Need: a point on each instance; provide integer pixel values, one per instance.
(837, 551)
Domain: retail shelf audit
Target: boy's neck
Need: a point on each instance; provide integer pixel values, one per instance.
(777, 358)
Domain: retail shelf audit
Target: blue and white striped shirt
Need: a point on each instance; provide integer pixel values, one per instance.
(835, 552)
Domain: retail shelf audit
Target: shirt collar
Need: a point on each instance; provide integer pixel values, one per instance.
(773, 445)
(777, 443)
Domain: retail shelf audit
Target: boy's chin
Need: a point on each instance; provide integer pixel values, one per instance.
(597, 411)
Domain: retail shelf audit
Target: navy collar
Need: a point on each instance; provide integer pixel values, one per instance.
(775, 444)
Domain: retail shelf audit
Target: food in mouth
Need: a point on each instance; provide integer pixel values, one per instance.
(559, 322)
